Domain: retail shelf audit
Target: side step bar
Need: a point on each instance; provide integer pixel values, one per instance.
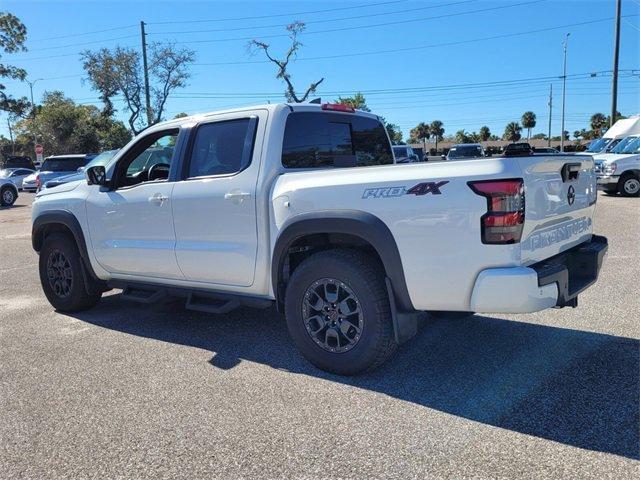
(200, 300)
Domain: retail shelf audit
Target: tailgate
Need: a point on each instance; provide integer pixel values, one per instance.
(560, 195)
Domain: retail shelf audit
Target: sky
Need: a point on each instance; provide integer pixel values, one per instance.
(467, 63)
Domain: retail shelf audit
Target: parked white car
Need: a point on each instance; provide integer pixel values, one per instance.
(8, 192)
(300, 205)
(16, 175)
(619, 171)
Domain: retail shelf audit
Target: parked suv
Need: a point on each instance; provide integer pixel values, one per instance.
(102, 159)
(58, 166)
(404, 154)
(301, 206)
(465, 151)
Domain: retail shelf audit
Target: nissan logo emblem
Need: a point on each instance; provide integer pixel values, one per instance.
(571, 195)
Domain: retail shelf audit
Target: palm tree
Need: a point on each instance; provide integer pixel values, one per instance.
(420, 132)
(462, 136)
(437, 130)
(598, 123)
(485, 133)
(528, 122)
(512, 132)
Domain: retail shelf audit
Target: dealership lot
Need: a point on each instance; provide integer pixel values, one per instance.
(128, 390)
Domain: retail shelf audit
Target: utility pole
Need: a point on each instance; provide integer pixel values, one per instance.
(564, 90)
(146, 74)
(616, 54)
(550, 110)
(33, 110)
(13, 145)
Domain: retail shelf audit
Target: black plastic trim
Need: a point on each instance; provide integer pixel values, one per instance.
(368, 227)
(574, 270)
(62, 217)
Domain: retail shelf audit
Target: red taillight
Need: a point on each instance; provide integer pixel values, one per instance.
(338, 107)
(37, 181)
(504, 219)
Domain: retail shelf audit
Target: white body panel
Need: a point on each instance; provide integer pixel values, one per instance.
(197, 238)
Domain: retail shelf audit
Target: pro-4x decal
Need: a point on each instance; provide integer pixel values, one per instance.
(397, 191)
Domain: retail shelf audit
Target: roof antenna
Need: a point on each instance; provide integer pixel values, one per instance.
(316, 100)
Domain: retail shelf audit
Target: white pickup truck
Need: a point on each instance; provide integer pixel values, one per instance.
(302, 206)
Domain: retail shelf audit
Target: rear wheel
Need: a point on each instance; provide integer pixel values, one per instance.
(338, 312)
(630, 185)
(64, 280)
(7, 196)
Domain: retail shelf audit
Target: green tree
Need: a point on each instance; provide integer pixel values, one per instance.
(65, 127)
(395, 134)
(294, 30)
(512, 132)
(540, 136)
(437, 131)
(462, 137)
(420, 133)
(181, 115)
(357, 101)
(599, 124)
(485, 133)
(13, 34)
(528, 121)
(119, 71)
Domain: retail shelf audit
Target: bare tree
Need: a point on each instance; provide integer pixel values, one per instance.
(294, 30)
(169, 68)
(119, 72)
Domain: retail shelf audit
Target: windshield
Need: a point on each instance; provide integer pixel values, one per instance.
(619, 148)
(62, 164)
(632, 147)
(102, 159)
(598, 145)
(465, 151)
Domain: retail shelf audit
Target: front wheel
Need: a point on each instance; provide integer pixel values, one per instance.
(63, 277)
(7, 196)
(338, 314)
(630, 185)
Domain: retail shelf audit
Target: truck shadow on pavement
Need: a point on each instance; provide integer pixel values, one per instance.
(573, 387)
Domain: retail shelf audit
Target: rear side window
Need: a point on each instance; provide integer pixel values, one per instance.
(222, 148)
(63, 164)
(328, 140)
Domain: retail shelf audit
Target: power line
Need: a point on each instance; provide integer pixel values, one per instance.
(420, 47)
(340, 19)
(375, 25)
(258, 17)
(84, 43)
(82, 34)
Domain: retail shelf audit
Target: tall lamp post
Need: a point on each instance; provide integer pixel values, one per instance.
(33, 108)
(564, 89)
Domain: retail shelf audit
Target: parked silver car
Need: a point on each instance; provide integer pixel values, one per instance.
(16, 175)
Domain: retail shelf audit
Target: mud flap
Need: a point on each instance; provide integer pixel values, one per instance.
(405, 324)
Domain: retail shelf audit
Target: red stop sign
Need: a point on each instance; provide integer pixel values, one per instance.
(39, 149)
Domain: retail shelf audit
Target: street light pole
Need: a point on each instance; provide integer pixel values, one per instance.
(564, 89)
(616, 55)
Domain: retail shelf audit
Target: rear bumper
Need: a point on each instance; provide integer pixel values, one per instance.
(554, 282)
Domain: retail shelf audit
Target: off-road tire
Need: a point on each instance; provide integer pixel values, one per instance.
(363, 276)
(8, 196)
(83, 292)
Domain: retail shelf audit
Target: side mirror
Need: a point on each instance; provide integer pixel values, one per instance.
(80, 169)
(96, 175)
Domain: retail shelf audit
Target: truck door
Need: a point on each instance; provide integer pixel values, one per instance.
(214, 203)
(131, 224)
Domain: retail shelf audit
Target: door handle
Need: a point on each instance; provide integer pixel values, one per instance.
(157, 198)
(236, 196)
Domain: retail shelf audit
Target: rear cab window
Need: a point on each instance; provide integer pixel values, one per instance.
(334, 140)
(63, 164)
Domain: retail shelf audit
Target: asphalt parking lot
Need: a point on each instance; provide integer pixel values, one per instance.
(127, 390)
